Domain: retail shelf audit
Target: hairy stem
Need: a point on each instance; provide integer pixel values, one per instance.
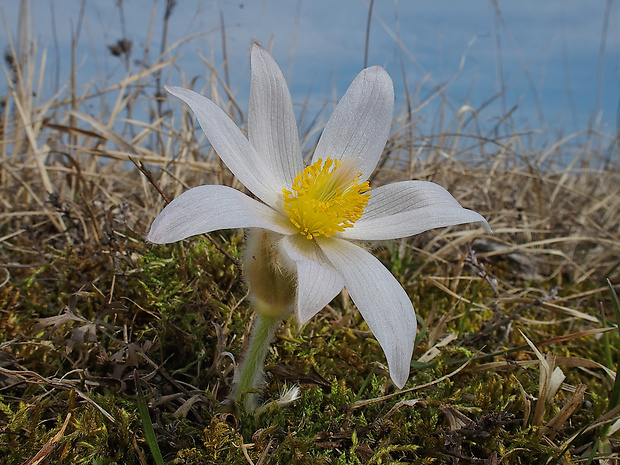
(251, 370)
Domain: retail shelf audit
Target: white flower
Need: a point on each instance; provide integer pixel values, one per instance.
(314, 214)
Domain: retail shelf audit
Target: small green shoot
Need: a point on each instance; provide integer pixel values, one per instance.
(149, 432)
(614, 399)
(602, 445)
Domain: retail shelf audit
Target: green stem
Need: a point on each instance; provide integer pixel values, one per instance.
(251, 368)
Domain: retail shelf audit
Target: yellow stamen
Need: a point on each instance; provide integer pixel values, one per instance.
(325, 198)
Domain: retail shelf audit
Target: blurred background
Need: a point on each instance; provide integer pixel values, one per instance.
(546, 67)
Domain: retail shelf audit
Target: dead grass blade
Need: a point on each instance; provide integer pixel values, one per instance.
(362, 403)
(51, 445)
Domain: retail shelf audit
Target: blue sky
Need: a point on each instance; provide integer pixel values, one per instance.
(545, 52)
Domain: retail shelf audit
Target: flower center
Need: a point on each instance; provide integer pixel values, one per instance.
(326, 198)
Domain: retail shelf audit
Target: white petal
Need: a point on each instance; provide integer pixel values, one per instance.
(407, 208)
(406, 195)
(381, 300)
(317, 284)
(360, 124)
(272, 128)
(232, 146)
(209, 208)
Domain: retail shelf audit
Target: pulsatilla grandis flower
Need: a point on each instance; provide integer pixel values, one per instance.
(306, 225)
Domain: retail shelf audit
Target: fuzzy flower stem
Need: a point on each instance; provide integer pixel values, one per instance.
(251, 370)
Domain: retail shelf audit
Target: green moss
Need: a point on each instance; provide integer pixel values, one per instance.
(172, 313)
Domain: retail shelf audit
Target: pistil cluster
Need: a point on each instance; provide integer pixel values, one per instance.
(326, 198)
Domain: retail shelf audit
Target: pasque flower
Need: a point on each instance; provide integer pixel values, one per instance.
(307, 221)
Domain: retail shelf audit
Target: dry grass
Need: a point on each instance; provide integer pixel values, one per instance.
(516, 354)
